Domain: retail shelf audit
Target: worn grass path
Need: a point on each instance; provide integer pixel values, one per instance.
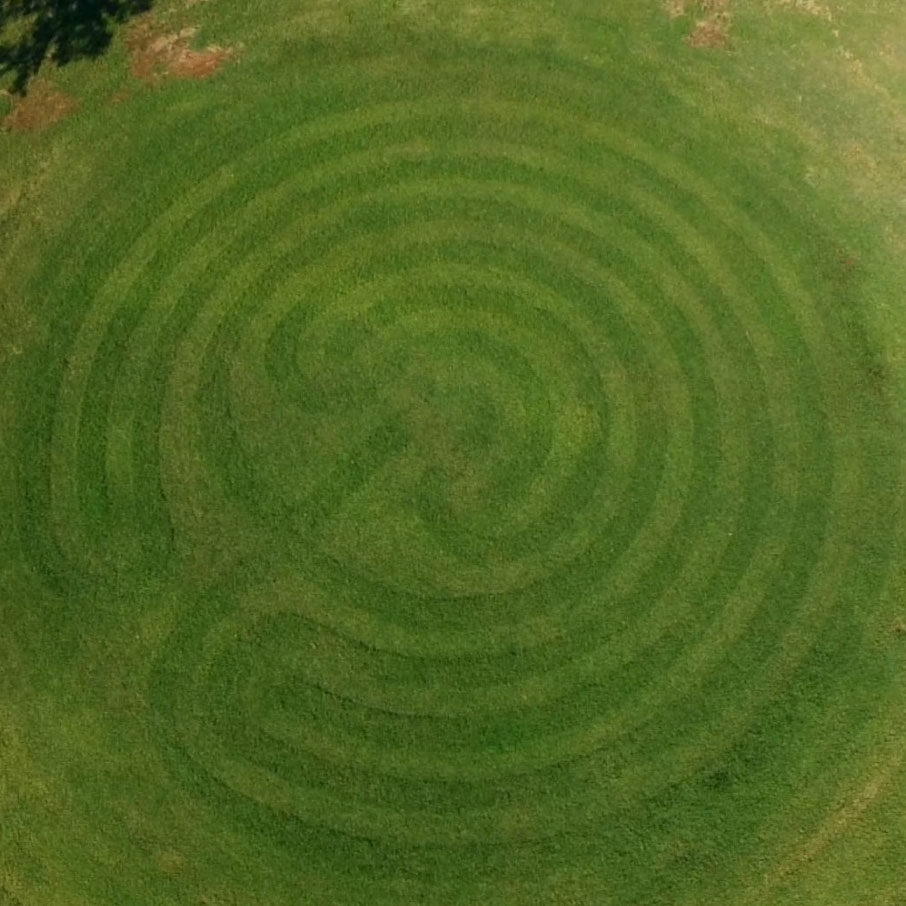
(454, 455)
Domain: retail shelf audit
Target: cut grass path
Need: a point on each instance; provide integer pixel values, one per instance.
(455, 454)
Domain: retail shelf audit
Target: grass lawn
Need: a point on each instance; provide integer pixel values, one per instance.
(454, 454)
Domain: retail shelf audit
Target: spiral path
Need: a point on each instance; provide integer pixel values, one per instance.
(463, 474)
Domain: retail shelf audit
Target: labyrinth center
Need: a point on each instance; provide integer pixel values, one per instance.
(463, 472)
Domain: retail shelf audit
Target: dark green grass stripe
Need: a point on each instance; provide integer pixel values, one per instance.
(760, 618)
(65, 366)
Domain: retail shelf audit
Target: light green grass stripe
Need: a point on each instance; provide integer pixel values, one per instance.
(143, 345)
(597, 732)
(64, 495)
(431, 320)
(696, 184)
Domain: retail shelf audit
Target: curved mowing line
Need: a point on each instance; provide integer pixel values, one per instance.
(521, 466)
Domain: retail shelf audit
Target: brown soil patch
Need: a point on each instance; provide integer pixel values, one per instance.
(677, 8)
(43, 106)
(812, 7)
(200, 64)
(157, 54)
(712, 28)
(713, 32)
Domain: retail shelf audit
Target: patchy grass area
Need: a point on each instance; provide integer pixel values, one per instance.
(454, 453)
(157, 53)
(40, 108)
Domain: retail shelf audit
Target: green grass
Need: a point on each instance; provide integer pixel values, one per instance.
(456, 455)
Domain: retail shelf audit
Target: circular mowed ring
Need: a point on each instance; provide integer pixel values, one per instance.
(499, 462)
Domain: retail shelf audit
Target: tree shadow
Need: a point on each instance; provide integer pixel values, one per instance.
(32, 31)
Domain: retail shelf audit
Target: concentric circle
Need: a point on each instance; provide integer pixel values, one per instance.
(474, 471)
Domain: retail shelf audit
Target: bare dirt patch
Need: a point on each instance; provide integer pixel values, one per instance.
(157, 54)
(712, 25)
(713, 32)
(812, 7)
(43, 106)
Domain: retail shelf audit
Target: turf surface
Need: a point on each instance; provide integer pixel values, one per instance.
(455, 455)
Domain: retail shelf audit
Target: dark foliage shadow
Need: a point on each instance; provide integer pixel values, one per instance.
(32, 31)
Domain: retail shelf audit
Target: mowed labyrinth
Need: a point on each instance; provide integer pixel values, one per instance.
(443, 473)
